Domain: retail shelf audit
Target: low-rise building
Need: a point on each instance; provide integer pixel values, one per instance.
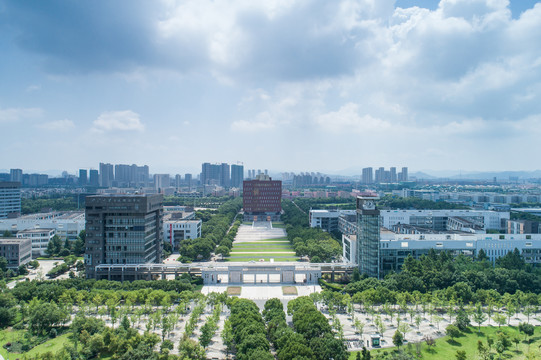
(328, 220)
(523, 227)
(438, 219)
(16, 251)
(67, 224)
(180, 225)
(395, 248)
(40, 239)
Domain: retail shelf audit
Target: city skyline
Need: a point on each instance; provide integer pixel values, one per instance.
(447, 84)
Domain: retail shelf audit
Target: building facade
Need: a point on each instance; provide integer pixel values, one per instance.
(10, 199)
(395, 248)
(123, 229)
(328, 220)
(237, 175)
(437, 219)
(368, 235)
(262, 199)
(67, 224)
(16, 251)
(40, 239)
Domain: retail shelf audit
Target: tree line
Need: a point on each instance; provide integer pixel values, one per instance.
(315, 243)
(213, 233)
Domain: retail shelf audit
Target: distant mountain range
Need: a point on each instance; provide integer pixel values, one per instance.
(487, 175)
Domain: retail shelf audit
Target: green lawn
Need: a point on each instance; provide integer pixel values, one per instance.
(278, 226)
(252, 244)
(261, 250)
(256, 259)
(446, 349)
(52, 345)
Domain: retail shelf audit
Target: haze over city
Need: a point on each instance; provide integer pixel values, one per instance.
(281, 85)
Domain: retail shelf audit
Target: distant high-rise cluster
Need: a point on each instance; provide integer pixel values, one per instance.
(383, 176)
(306, 178)
(120, 175)
(223, 174)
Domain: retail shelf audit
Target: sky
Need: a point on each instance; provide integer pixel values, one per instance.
(284, 85)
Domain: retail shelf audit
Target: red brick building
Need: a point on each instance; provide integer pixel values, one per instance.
(262, 199)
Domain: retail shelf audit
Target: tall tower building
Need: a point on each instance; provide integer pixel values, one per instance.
(237, 175)
(123, 229)
(83, 177)
(16, 175)
(188, 180)
(404, 174)
(94, 179)
(367, 176)
(106, 175)
(368, 224)
(161, 181)
(392, 173)
(10, 199)
(225, 175)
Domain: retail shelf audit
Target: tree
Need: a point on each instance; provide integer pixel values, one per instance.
(366, 354)
(526, 329)
(227, 336)
(482, 350)
(7, 309)
(452, 331)
(398, 339)
(460, 355)
(43, 316)
(328, 347)
(190, 349)
(479, 316)
(500, 319)
(516, 340)
(462, 320)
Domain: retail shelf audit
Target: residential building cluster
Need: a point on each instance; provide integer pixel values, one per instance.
(223, 175)
(380, 175)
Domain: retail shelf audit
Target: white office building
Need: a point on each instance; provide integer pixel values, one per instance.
(40, 239)
(67, 224)
(180, 225)
(395, 248)
(328, 219)
(437, 219)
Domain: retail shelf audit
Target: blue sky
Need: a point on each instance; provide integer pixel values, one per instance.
(284, 85)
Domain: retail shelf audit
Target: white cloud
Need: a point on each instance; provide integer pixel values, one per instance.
(33, 87)
(16, 114)
(58, 125)
(126, 120)
(347, 119)
(263, 122)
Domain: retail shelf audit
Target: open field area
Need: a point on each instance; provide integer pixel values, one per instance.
(445, 348)
(261, 241)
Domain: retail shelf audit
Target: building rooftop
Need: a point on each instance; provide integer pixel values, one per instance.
(12, 241)
(56, 215)
(34, 231)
